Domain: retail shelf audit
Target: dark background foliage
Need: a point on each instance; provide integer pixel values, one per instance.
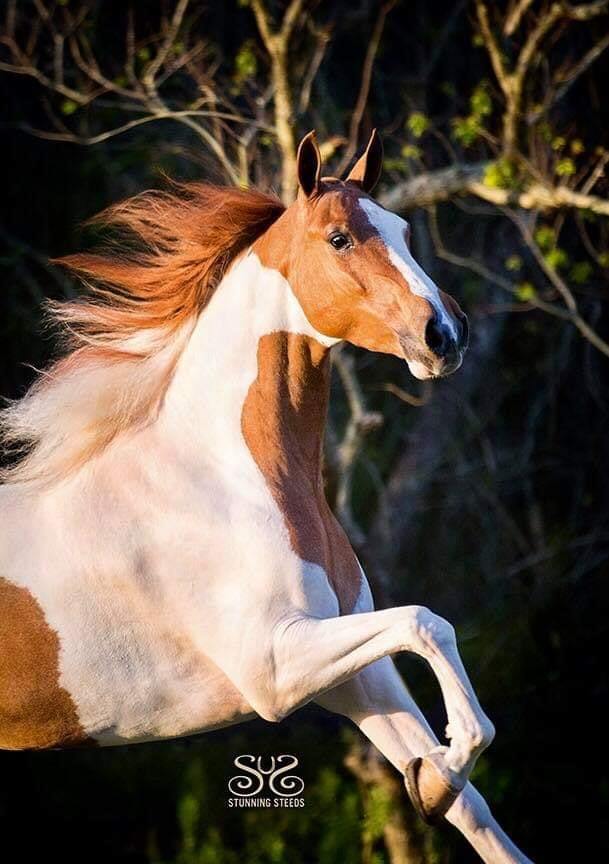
(486, 500)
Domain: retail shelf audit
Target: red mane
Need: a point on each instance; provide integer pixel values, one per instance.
(181, 244)
(145, 291)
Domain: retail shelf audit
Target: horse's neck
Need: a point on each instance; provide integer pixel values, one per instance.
(284, 411)
(254, 372)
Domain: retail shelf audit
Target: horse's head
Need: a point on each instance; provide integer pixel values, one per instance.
(351, 268)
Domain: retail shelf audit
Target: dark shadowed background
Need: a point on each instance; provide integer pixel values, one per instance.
(483, 496)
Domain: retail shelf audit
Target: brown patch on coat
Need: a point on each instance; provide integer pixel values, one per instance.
(35, 711)
(283, 421)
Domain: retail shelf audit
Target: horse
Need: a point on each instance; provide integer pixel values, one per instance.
(168, 561)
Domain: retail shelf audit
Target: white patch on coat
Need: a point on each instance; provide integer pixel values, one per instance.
(391, 229)
(171, 532)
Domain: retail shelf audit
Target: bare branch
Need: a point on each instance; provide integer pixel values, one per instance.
(148, 79)
(322, 36)
(290, 18)
(585, 11)
(582, 66)
(364, 90)
(179, 116)
(540, 197)
(408, 398)
(277, 44)
(571, 314)
(596, 174)
(432, 187)
(436, 186)
(512, 83)
(126, 93)
(492, 47)
(515, 16)
(346, 453)
(68, 92)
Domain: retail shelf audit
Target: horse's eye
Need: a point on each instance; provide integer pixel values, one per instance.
(339, 241)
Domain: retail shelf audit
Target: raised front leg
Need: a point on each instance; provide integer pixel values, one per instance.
(378, 702)
(301, 657)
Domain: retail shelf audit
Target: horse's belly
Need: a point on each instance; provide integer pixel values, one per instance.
(125, 686)
(176, 705)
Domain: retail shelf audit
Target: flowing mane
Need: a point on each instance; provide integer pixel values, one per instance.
(144, 291)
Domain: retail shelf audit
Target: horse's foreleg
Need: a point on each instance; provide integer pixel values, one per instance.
(311, 655)
(379, 703)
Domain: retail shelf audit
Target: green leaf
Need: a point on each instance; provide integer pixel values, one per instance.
(188, 817)
(500, 174)
(525, 291)
(411, 151)
(418, 123)
(576, 146)
(514, 262)
(480, 102)
(378, 809)
(466, 130)
(557, 258)
(246, 63)
(565, 167)
(68, 106)
(395, 164)
(545, 237)
(580, 272)
(603, 259)
(143, 54)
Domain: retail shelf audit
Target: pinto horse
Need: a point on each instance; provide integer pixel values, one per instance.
(168, 561)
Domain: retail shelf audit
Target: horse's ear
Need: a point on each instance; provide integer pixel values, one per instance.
(308, 164)
(368, 167)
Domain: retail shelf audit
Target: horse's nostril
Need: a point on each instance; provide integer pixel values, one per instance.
(437, 338)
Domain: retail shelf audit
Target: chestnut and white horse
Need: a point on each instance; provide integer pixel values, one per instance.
(168, 561)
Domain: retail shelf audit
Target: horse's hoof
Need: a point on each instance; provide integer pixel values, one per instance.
(430, 792)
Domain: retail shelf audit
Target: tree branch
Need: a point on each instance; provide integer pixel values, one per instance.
(277, 44)
(433, 187)
(512, 83)
(155, 64)
(364, 90)
(513, 19)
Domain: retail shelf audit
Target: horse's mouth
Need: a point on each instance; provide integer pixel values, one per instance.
(424, 368)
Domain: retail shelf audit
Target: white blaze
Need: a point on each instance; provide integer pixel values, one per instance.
(391, 229)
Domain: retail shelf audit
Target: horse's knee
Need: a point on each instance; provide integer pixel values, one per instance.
(430, 628)
(484, 735)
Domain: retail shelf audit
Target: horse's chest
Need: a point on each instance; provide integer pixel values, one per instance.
(269, 536)
(317, 537)
(290, 547)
